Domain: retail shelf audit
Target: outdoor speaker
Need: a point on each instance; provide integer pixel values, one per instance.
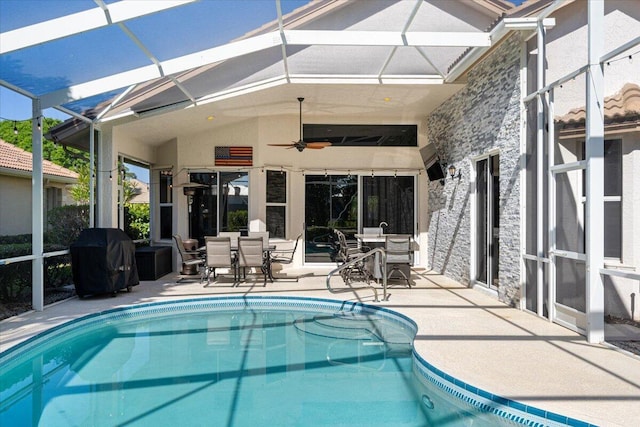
(435, 171)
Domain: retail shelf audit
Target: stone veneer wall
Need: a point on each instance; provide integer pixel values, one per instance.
(482, 116)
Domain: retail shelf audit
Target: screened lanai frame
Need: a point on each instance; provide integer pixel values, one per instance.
(117, 85)
(399, 39)
(547, 252)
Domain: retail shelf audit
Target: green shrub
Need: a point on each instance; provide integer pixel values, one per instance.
(237, 220)
(16, 277)
(136, 223)
(18, 238)
(66, 223)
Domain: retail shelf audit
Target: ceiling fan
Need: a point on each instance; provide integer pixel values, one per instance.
(301, 144)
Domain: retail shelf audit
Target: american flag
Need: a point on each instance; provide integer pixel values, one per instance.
(234, 156)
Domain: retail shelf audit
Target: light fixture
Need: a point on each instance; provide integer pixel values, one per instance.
(15, 128)
(452, 172)
(38, 122)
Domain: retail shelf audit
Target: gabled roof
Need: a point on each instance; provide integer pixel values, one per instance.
(621, 113)
(16, 161)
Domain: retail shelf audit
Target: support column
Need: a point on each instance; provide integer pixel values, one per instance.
(540, 283)
(37, 210)
(595, 174)
(107, 181)
(92, 177)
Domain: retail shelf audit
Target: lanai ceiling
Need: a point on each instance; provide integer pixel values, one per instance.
(134, 61)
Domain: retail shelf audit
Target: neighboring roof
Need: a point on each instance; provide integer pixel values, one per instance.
(623, 106)
(621, 111)
(14, 159)
(141, 191)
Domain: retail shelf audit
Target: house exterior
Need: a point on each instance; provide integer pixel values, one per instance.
(527, 215)
(15, 188)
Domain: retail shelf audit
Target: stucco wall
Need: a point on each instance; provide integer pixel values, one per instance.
(15, 205)
(483, 116)
(566, 49)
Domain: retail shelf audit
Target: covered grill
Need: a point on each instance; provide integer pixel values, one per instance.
(103, 261)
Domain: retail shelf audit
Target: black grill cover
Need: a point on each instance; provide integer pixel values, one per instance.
(103, 260)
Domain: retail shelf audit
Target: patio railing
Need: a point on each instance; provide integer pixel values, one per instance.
(346, 271)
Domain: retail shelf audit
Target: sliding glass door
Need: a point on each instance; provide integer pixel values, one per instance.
(487, 230)
(219, 202)
(331, 202)
(389, 199)
(334, 202)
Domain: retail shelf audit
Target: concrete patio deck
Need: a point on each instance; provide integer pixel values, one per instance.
(462, 331)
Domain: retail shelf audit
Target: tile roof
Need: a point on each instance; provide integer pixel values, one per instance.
(141, 191)
(622, 107)
(12, 157)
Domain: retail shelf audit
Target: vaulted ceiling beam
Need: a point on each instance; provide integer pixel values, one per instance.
(259, 43)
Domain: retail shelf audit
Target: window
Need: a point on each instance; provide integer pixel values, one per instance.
(166, 203)
(613, 199)
(218, 201)
(276, 203)
(53, 199)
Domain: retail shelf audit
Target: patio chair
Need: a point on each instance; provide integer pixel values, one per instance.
(251, 255)
(284, 256)
(233, 235)
(371, 230)
(190, 259)
(357, 272)
(346, 252)
(399, 257)
(264, 235)
(218, 255)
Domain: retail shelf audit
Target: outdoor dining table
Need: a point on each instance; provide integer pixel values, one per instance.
(265, 249)
(374, 240)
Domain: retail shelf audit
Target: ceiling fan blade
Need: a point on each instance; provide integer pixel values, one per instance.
(318, 145)
(300, 145)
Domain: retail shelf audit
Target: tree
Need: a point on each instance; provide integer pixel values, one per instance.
(69, 158)
(80, 190)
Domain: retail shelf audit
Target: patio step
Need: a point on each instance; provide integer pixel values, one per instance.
(350, 326)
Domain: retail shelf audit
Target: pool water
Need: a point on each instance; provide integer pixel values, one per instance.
(241, 365)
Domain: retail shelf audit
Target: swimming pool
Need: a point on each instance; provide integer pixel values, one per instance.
(241, 361)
